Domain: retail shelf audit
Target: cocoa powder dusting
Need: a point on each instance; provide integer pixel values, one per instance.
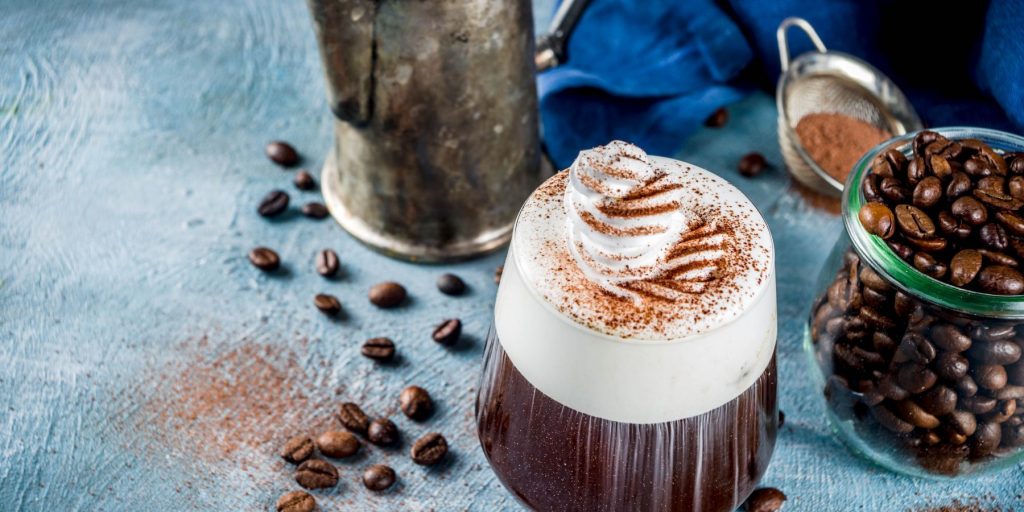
(835, 142)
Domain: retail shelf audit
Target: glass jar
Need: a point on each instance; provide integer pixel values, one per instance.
(919, 376)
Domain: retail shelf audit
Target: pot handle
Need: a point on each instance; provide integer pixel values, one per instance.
(345, 35)
(780, 35)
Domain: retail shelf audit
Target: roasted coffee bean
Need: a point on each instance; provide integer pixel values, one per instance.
(326, 263)
(944, 147)
(953, 226)
(872, 280)
(932, 244)
(882, 342)
(449, 332)
(916, 170)
(1012, 435)
(296, 501)
(997, 199)
(914, 348)
(985, 439)
(273, 203)
(874, 299)
(878, 219)
(415, 403)
(717, 119)
(997, 258)
(297, 449)
(304, 180)
(978, 404)
(871, 186)
(1001, 352)
(969, 209)
(994, 160)
(948, 337)
(752, 164)
(766, 499)
(989, 376)
(1004, 410)
(901, 250)
(903, 305)
(316, 474)
(938, 401)
(382, 432)
(915, 378)
(893, 190)
(995, 184)
(381, 349)
(353, 418)
(1011, 221)
(1009, 392)
(993, 235)
(962, 422)
(914, 222)
(1016, 165)
(337, 444)
(315, 210)
(387, 294)
(950, 366)
(497, 273)
(1000, 280)
(994, 332)
(940, 166)
(928, 192)
(327, 304)
(887, 419)
(450, 284)
(964, 267)
(1015, 186)
(429, 449)
(875, 319)
(966, 386)
(959, 184)
(782, 419)
(1015, 373)
(282, 153)
(895, 158)
(264, 259)
(378, 477)
(923, 139)
(929, 266)
(910, 412)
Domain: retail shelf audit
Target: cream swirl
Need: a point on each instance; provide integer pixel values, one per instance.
(630, 231)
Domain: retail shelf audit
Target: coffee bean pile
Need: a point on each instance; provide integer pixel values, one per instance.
(415, 402)
(948, 387)
(952, 210)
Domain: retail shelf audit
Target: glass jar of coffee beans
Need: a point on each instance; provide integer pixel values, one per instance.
(916, 335)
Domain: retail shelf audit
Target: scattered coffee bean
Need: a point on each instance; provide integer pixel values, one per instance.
(765, 499)
(416, 403)
(297, 449)
(429, 449)
(497, 273)
(296, 501)
(449, 332)
(315, 210)
(337, 444)
(752, 164)
(282, 153)
(327, 304)
(273, 203)
(717, 119)
(264, 259)
(381, 349)
(378, 477)
(353, 418)
(450, 284)
(387, 294)
(304, 180)
(326, 263)
(382, 432)
(316, 474)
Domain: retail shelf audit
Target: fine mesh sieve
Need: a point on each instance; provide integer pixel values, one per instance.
(823, 81)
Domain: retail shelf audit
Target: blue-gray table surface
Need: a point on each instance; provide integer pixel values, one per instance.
(145, 365)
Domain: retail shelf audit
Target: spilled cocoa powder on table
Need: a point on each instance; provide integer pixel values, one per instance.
(836, 142)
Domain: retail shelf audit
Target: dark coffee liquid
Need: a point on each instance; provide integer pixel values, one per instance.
(555, 458)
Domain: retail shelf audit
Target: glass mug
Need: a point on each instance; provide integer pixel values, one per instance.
(572, 418)
(919, 376)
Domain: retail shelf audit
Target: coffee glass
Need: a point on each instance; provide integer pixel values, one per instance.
(919, 376)
(593, 398)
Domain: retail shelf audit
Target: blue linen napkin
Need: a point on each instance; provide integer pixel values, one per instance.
(651, 71)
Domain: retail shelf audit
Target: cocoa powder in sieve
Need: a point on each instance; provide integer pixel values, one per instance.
(835, 141)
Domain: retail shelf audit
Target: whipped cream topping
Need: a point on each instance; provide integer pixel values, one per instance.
(629, 231)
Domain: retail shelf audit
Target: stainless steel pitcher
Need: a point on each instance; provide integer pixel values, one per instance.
(436, 133)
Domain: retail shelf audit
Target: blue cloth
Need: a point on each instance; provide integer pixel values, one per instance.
(651, 71)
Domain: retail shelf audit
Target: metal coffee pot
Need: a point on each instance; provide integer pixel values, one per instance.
(436, 132)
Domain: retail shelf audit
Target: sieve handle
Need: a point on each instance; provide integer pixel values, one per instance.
(780, 35)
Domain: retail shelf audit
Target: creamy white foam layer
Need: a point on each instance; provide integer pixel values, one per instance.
(582, 333)
(631, 381)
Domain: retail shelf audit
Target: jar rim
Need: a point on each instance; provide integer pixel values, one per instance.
(901, 273)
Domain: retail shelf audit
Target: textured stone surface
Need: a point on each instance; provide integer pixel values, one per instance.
(131, 136)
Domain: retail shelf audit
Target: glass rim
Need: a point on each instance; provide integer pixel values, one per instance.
(901, 273)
